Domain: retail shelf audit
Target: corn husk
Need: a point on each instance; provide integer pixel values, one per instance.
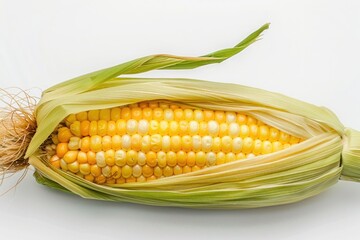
(330, 151)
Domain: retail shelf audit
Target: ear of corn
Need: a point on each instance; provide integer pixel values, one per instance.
(92, 126)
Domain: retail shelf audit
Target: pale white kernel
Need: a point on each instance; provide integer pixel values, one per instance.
(198, 115)
(196, 143)
(143, 127)
(237, 145)
(165, 144)
(119, 157)
(213, 128)
(126, 142)
(141, 158)
(168, 114)
(206, 143)
(210, 158)
(230, 117)
(100, 159)
(234, 129)
(131, 126)
(106, 171)
(193, 127)
(137, 171)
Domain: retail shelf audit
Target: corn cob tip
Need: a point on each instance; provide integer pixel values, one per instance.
(351, 155)
(17, 126)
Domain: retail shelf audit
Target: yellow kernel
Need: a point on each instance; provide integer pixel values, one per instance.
(75, 128)
(105, 114)
(158, 114)
(216, 144)
(96, 143)
(151, 178)
(175, 143)
(151, 159)
(254, 131)
(181, 158)
(147, 114)
(120, 158)
(136, 113)
(110, 157)
(120, 180)
(73, 167)
(248, 145)
(143, 104)
(120, 126)
(70, 156)
(188, 114)
(168, 114)
(173, 128)
(178, 114)
(241, 118)
(164, 127)
(257, 147)
(193, 127)
(230, 117)
(106, 143)
(111, 128)
(183, 128)
(136, 142)
(264, 132)
(177, 170)
(115, 172)
(226, 144)
(234, 129)
(101, 179)
(230, 157)
(84, 128)
(141, 179)
(125, 113)
(126, 171)
(274, 134)
(82, 157)
(116, 142)
(153, 104)
(64, 134)
(63, 165)
(244, 131)
(115, 114)
(198, 115)
(203, 128)
(161, 159)
(223, 129)
(93, 115)
(110, 181)
(131, 158)
(158, 172)
(195, 168)
(171, 159)
(277, 146)
(163, 105)
(91, 157)
(220, 158)
(70, 119)
(147, 171)
(131, 179)
(219, 116)
(200, 159)
(85, 168)
(154, 127)
(89, 178)
(81, 116)
(286, 145)
(168, 171)
(93, 128)
(237, 145)
(209, 115)
(95, 170)
(186, 143)
(266, 147)
(155, 142)
(102, 127)
(240, 156)
(294, 140)
(206, 143)
(191, 159)
(61, 149)
(251, 120)
(55, 161)
(186, 169)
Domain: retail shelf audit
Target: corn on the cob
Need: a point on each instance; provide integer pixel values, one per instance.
(152, 140)
(178, 142)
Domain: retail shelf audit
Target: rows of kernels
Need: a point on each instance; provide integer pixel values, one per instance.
(150, 140)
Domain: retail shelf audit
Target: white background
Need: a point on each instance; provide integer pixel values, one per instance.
(311, 52)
